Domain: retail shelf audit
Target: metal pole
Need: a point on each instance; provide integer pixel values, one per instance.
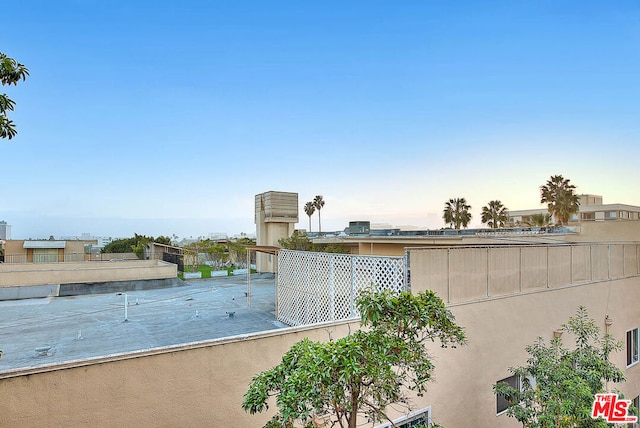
(248, 278)
(126, 304)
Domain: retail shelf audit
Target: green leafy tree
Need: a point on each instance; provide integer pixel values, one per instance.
(309, 209)
(318, 202)
(559, 195)
(163, 240)
(364, 373)
(558, 384)
(136, 244)
(11, 72)
(217, 253)
(297, 241)
(238, 251)
(300, 241)
(456, 213)
(494, 214)
(334, 247)
(124, 245)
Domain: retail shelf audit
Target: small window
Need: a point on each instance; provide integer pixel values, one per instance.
(632, 347)
(611, 214)
(418, 418)
(502, 403)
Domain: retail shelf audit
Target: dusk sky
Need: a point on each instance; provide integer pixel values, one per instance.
(161, 118)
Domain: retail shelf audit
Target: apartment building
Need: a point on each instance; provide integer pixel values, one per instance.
(592, 208)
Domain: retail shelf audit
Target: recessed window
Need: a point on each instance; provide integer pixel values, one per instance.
(502, 403)
(418, 418)
(632, 347)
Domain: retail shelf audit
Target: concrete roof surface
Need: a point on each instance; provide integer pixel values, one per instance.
(81, 327)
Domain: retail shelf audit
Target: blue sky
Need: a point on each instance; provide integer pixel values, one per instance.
(161, 117)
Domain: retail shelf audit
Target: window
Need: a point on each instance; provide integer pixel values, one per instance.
(588, 216)
(420, 417)
(632, 347)
(502, 403)
(611, 214)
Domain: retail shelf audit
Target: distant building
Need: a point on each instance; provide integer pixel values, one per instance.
(45, 251)
(591, 209)
(5, 230)
(94, 248)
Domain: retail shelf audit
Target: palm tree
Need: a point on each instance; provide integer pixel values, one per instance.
(495, 214)
(318, 202)
(539, 220)
(560, 198)
(456, 213)
(309, 209)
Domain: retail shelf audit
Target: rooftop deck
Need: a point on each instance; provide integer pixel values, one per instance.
(82, 327)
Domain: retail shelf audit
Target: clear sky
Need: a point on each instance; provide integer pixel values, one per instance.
(165, 117)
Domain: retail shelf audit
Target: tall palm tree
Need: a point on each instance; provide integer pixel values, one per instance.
(560, 198)
(309, 209)
(456, 213)
(318, 202)
(495, 214)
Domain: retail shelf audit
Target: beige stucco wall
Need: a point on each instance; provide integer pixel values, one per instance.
(609, 231)
(197, 385)
(499, 329)
(203, 384)
(467, 274)
(22, 274)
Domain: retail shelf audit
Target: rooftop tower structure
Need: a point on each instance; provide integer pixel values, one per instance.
(276, 216)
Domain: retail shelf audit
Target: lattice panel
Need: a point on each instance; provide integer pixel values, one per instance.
(318, 287)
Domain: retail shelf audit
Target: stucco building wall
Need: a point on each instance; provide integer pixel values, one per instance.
(202, 384)
(25, 274)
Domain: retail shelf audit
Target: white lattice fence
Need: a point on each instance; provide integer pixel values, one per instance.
(317, 287)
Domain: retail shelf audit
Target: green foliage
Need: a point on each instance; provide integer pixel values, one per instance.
(363, 373)
(456, 213)
(494, 214)
(566, 380)
(560, 198)
(135, 245)
(300, 241)
(163, 240)
(335, 248)
(297, 241)
(238, 251)
(11, 72)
